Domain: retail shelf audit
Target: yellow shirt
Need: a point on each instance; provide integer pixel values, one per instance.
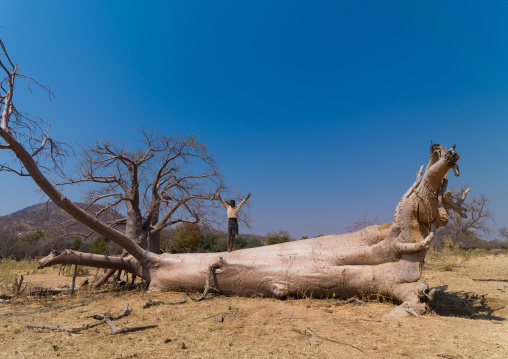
(232, 211)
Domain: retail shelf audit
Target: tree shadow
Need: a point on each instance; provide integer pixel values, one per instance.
(463, 304)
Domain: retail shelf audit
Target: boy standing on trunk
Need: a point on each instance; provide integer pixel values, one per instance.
(232, 212)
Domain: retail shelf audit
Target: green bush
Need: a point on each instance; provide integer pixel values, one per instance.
(254, 243)
(187, 238)
(278, 237)
(100, 246)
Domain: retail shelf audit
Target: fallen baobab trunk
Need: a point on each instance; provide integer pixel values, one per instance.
(385, 259)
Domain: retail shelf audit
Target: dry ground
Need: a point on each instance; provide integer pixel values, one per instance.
(468, 320)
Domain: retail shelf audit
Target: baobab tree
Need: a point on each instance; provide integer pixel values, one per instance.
(168, 180)
(381, 259)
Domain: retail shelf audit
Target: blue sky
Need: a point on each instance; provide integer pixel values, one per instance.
(321, 109)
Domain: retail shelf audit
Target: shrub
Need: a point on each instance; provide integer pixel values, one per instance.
(187, 238)
(278, 237)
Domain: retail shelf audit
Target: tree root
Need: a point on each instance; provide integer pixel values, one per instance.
(102, 319)
(151, 303)
(211, 271)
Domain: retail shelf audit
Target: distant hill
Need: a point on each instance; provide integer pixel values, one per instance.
(44, 217)
(47, 217)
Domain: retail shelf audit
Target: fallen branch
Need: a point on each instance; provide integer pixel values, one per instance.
(211, 271)
(103, 279)
(490, 280)
(16, 286)
(126, 330)
(334, 341)
(151, 303)
(102, 319)
(125, 313)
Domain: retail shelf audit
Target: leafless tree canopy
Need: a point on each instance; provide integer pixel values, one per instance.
(475, 220)
(167, 180)
(31, 133)
(362, 222)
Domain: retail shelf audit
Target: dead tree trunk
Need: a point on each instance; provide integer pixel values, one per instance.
(385, 259)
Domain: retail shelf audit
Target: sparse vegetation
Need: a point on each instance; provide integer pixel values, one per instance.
(10, 268)
(280, 236)
(470, 314)
(450, 256)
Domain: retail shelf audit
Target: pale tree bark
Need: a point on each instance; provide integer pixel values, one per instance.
(383, 259)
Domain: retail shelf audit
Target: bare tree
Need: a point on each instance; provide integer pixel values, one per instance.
(473, 221)
(503, 232)
(7, 238)
(362, 222)
(382, 259)
(169, 180)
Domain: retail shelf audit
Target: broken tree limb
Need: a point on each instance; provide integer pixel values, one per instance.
(127, 330)
(102, 319)
(103, 279)
(151, 303)
(211, 271)
(125, 313)
(71, 330)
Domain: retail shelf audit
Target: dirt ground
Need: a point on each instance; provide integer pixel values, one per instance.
(468, 319)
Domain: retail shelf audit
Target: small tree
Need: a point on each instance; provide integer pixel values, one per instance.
(254, 243)
(241, 242)
(187, 238)
(469, 226)
(280, 236)
(361, 223)
(100, 245)
(7, 239)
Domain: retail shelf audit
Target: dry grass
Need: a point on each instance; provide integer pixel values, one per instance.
(468, 320)
(451, 256)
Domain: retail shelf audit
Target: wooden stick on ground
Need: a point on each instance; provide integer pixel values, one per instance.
(126, 330)
(102, 319)
(151, 303)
